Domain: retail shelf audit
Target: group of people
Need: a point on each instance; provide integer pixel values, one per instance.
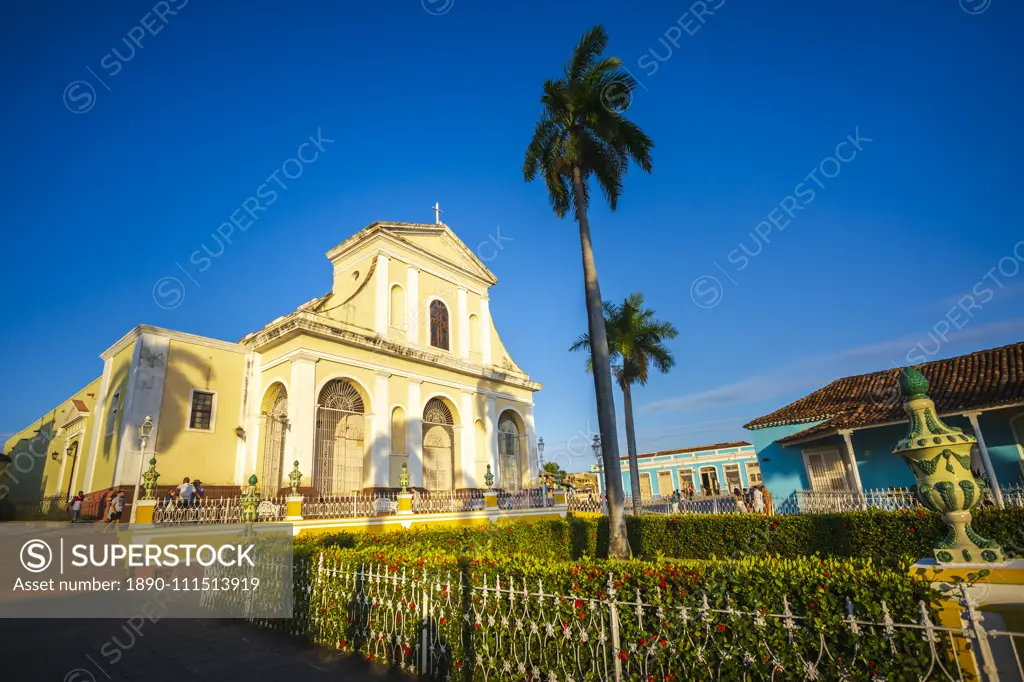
(188, 494)
(755, 499)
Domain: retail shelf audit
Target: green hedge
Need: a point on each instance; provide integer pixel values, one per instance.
(380, 617)
(876, 534)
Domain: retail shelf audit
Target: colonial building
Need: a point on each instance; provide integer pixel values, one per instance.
(399, 364)
(839, 439)
(708, 469)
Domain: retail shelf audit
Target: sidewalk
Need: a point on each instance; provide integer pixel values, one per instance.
(96, 650)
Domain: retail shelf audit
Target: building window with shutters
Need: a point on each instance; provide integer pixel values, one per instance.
(203, 413)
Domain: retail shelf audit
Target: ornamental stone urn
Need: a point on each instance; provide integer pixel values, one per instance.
(940, 458)
(149, 481)
(295, 478)
(403, 479)
(489, 478)
(250, 500)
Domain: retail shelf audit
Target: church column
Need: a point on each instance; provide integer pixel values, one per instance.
(414, 433)
(462, 330)
(491, 429)
(246, 463)
(468, 441)
(380, 318)
(412, 299)
(299, 443)
(485, 331)
(380, 443)
(531, 445)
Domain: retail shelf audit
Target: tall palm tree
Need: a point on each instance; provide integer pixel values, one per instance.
(583, 134)
(636, 342)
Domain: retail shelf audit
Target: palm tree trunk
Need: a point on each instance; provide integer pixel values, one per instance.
(618, 544)
(634, 465)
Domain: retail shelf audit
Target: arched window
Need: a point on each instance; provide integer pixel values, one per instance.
(397, 307)
(438, 445)
(275, 424)
(439, 325)
(338, 467)
(474, 334)
(398, 431)
(508, 452)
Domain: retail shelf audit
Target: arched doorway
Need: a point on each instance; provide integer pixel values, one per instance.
(438, 445)
(340, 422)
(509, 451)
(275, 426)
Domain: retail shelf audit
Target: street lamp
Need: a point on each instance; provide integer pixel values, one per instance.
(596, 445)
(540, 467)
(145, 430)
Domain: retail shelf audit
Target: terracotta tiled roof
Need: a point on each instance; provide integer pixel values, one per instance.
(79, 405)
(700, 448)
(985, 379)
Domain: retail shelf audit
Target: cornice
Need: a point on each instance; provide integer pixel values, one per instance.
(314, 325)
(138, 331)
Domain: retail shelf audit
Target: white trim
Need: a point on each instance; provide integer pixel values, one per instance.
(1018, 434)
(468, 454)
(364, 393)
(462, 303)
(380, 318)
(138, 331)
(380, 433)
(213, 410)
(412, 304)
(853, 469)
(373, 366)
(414, 434)
(253, 389)
(485, 331)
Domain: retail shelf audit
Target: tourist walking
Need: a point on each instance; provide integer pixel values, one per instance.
(741, 506)
(116, 508)
(186, 491)
(76, 506)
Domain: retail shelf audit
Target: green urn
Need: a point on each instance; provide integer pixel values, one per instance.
(939, 455)
(149, 478)
(250, 501)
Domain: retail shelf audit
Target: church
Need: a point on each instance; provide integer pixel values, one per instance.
(399, 364)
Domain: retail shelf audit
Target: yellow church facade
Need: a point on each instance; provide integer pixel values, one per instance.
(400, 364)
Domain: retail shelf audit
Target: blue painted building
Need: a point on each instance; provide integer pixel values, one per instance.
(840, 437)
(709, 468)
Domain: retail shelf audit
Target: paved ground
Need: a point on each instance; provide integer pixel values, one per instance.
(97, 650)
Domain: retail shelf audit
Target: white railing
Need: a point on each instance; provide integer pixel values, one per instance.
(446, 501)
(205, 510)
(351, 505)
(527, 498)
(1013, 494)
(443, 627)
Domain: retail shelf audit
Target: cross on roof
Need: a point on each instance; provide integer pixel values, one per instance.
(437, 212)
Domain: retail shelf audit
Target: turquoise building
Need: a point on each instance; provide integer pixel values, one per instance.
(840, 437)
(708, 469)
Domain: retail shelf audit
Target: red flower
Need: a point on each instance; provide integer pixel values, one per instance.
(343, 642)
(476, 625)
(720, 628)
(458, 664)
(623, 655)
(579, 604)
(443, 621)
(411, 606)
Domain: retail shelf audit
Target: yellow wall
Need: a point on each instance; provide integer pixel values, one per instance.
(208, 455)
(37, 473)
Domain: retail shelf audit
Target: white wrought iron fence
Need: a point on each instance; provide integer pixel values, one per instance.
(350, 505)
(527, 498)
(446, 628)
(198, 510)
(447, 501)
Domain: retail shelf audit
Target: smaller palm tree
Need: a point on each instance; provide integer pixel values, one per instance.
(636, 342)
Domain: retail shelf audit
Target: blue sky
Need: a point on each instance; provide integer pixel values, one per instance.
(114, 180)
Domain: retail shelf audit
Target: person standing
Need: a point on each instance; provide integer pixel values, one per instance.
(741, 506)
(76, 506)
(185, 492)
(758, 497)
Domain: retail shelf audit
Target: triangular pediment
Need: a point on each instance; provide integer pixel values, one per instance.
(75, 411)
(435, 242)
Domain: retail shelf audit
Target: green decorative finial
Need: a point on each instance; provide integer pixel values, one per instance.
(489, 478)
(403, 479)
(250, 500)
(939, 455)
(295, 478)
(149, 481)
(913, 385)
